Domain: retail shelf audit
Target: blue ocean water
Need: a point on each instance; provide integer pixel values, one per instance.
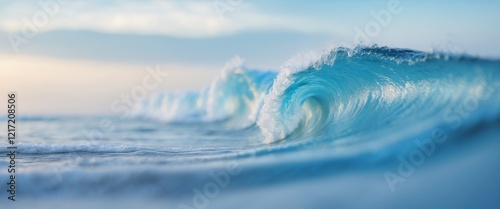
(369, 127)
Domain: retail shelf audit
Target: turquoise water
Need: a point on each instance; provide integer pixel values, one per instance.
(370, 127)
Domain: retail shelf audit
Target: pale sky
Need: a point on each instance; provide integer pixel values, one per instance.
(77, 57)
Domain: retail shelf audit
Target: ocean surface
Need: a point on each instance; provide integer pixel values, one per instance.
(369, 127)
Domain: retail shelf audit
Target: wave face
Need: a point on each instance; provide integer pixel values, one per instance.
(351, 91)
(339, 93)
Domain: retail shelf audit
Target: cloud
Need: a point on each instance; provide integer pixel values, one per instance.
(154, 17)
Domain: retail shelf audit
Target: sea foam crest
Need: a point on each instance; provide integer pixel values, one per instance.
(235, 97)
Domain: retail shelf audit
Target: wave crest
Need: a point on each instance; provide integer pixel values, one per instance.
(234, 97)
(338, 93)
(347, 91)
